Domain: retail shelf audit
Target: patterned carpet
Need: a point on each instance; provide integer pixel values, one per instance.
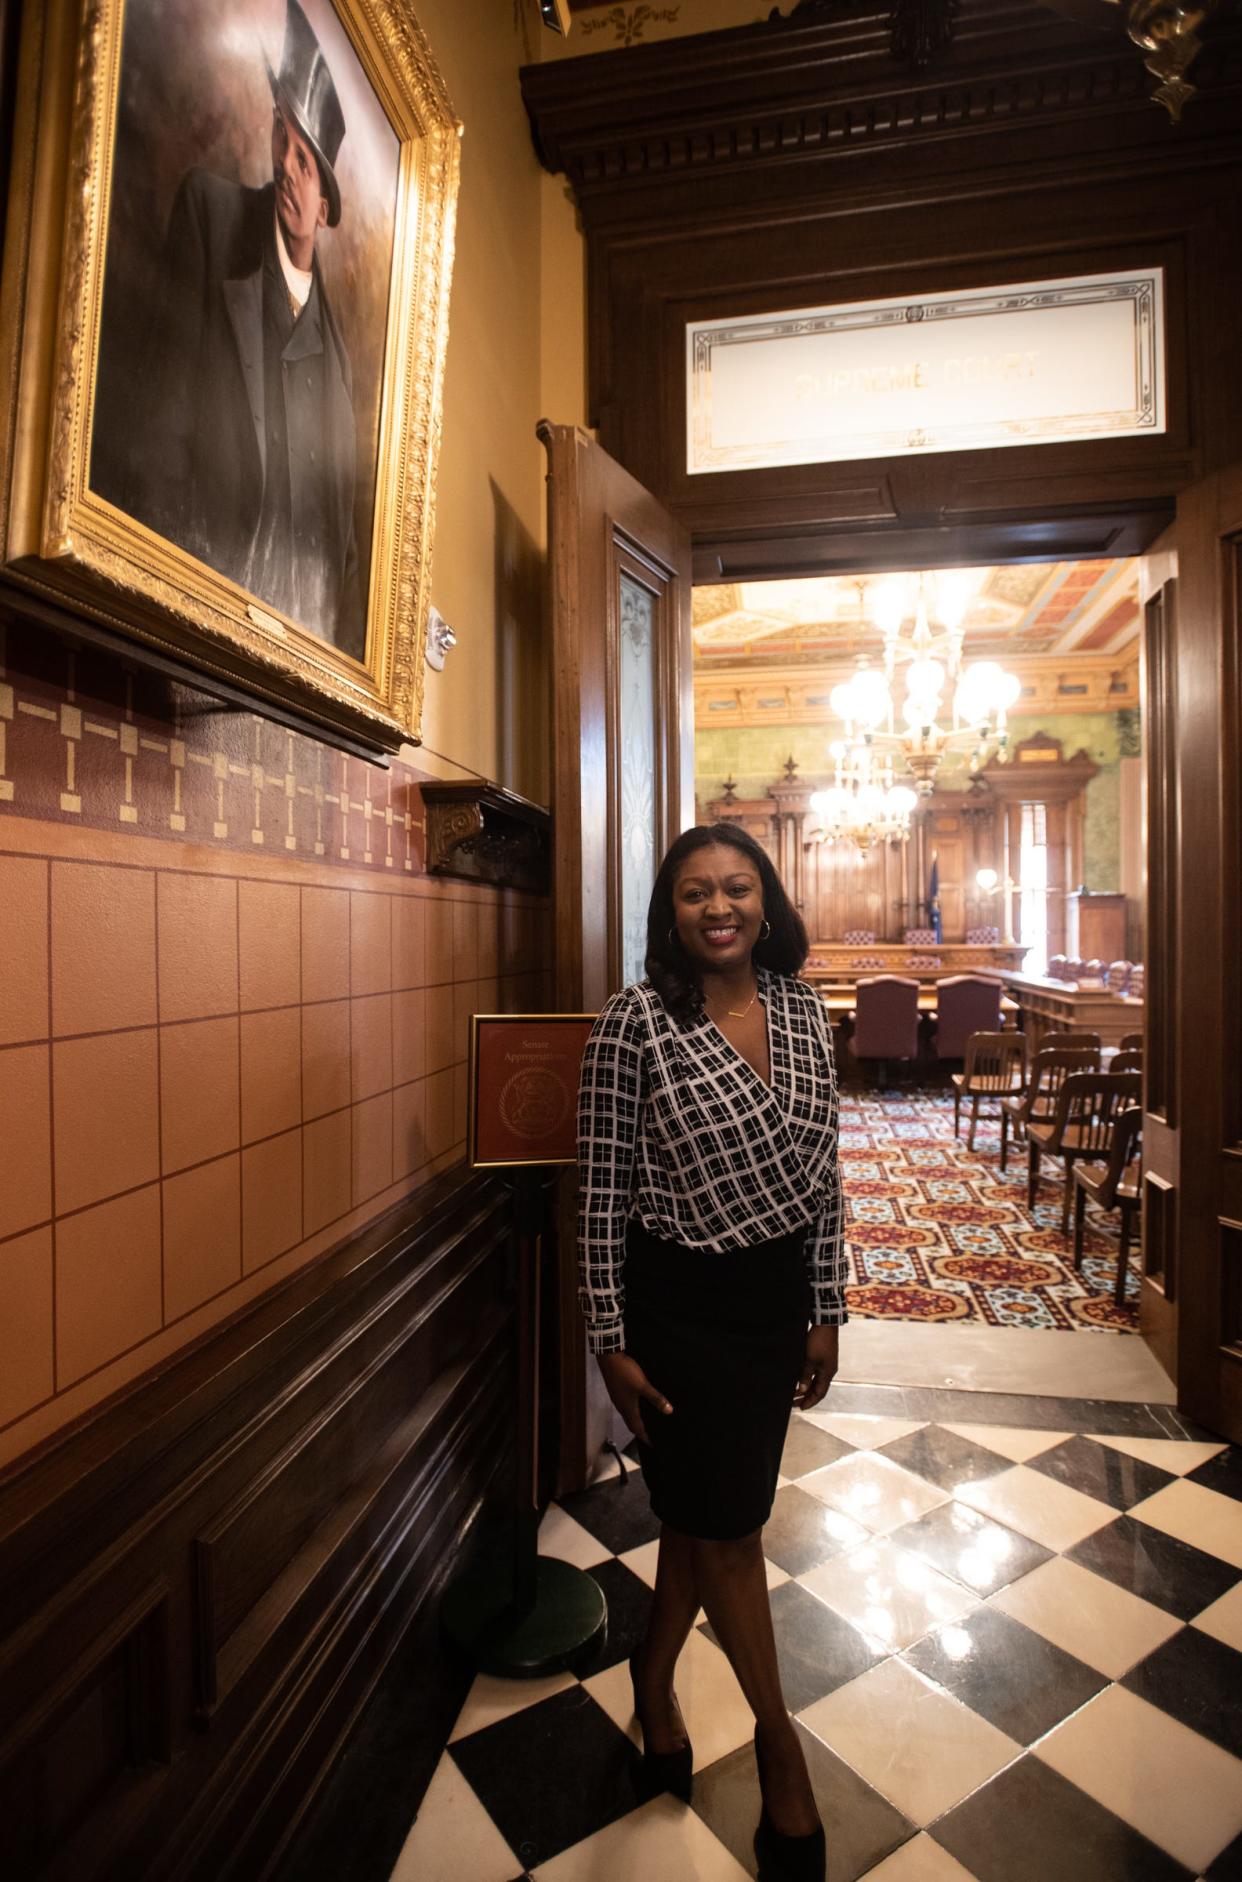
(936, 1232)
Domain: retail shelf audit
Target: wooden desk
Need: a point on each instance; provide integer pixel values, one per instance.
(1049, 1004)
(837, 962)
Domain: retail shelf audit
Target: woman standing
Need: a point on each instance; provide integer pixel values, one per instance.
(712, 1274)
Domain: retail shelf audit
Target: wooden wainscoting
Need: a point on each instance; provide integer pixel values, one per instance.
(201, 1584)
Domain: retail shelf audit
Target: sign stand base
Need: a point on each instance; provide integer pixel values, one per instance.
(516, 1613)
(562, 1629)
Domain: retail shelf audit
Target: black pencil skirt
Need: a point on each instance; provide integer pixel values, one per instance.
(723, 1336)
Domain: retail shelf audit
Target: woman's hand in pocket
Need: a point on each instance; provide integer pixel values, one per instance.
(629, 1388)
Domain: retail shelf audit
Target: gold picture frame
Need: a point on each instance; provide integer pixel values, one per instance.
(68, 545)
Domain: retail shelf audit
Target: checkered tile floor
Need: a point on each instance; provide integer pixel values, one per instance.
(1014, 1653)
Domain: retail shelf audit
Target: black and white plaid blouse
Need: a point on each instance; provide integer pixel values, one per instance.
(676, 1129)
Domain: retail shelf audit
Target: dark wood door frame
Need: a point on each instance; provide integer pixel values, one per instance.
(797, 163)
(602, 526)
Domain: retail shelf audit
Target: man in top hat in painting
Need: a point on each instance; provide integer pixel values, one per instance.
(249, 454)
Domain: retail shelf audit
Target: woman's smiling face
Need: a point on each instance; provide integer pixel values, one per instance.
(718, 907)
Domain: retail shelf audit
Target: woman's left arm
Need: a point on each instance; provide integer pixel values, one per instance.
(827, 1266)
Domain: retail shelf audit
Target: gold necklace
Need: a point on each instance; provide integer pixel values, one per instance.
(733, 1012)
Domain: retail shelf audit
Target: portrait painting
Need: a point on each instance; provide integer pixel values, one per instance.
(246, 284)
(240, 369)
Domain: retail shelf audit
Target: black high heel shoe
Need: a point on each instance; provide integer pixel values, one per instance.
(787, 1858)
(671, 1771)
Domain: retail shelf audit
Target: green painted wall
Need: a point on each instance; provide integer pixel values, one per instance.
(755, 759)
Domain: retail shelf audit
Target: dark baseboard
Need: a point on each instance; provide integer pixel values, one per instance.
(202, 1586)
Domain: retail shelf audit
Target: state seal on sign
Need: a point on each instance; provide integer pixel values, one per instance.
(533, 1103)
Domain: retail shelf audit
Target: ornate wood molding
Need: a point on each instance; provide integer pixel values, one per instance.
(833, 81)
(483, 833)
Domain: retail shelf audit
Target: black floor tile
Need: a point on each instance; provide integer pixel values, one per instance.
(1067, 1834)
(808, 1448)
(1198, 1680)
(1006, 1673)
(970, 1548)
(1109, 1476)
(618, 1512)
(629, 1603)
(802, 1532)
(944, 1458)
(551, 1774)
(863, 1827)
(1222, 1472)
(817, 1649)
(1228, 1865)
(1172, 1575)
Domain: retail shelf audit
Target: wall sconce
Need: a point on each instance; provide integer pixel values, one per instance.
(555, 14)
(1167, 33)
(440, 637)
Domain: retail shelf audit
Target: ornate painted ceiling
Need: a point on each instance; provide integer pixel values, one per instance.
(1031, 608)
(769, 653)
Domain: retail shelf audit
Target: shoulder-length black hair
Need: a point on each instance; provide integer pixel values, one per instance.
(670, 969)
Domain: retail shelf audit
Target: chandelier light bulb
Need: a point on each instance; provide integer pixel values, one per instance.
(1009, 691)
(920, 714)
(901, 800)
(869, 691)
(841, 699)
(888, 605)
(955, 590)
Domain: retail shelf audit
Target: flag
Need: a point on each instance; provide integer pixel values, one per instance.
(933, 897)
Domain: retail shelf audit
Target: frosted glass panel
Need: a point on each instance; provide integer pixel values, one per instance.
(638, 835)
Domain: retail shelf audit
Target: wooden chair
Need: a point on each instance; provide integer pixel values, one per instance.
(1048, 1071)
(995, 1068)
(1071, 1036)
(1127, 1059)
(1082, 1129)
(1130, 1042)
(1113, 1187)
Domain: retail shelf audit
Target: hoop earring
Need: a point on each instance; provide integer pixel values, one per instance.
(765, 931)
(672, 937)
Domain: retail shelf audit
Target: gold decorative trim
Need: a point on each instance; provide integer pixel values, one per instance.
(62, 539)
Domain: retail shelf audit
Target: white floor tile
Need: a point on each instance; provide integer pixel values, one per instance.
(1223, 1620)
(1018, 1446)
(1104, 1626)
(860, 1429)
(1180, 1455)
(919, 1860)
(490, 1699)
(874, 1491)
(663, 1842)
(1037, 1506)
(453, 1836)
(1179, 1789)
(717, 1717)
(562, 1536)
(909, 1739)
(891, 1594)
(1193, 1514)
(643, 1561)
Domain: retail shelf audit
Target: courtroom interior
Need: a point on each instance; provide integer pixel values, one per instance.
(822, 418)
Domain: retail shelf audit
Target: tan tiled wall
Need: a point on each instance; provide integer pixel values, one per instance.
(211, 1069)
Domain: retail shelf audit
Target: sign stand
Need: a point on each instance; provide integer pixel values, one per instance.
(521, 1615)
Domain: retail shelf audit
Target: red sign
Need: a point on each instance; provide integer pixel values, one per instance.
(524, 1070)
